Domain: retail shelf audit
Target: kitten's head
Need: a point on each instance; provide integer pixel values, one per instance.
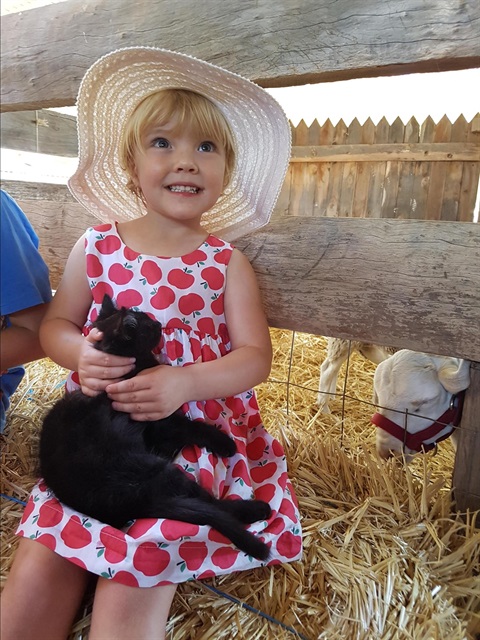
(126, 332)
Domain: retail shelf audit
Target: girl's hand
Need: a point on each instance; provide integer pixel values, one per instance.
(96, 369)
(153, 394)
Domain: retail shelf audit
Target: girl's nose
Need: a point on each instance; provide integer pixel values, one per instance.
(185, 163)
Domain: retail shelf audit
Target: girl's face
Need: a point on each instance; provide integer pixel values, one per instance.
(179, 172)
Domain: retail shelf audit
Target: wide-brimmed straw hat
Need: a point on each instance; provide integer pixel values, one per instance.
(119, 81)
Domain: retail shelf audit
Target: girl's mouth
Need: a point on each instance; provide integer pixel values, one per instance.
(177, 188)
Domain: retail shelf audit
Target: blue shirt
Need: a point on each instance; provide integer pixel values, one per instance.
(24, 280)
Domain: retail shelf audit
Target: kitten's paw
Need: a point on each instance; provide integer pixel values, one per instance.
(248, 511)
(222, 445)
(260, 509)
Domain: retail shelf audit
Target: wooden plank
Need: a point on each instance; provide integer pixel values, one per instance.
(274, 44)
(349, 178)
(364, 174)
(334, 187)
(466, 474)
(40, 131)
(406, 152)
(303, 178)
(395, 134)
(406, 175)
(407, 283)
(438, 173)
(326, 136)
(377, 189)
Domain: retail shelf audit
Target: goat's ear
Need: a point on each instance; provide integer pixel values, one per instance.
(108, 308)
(454, 374)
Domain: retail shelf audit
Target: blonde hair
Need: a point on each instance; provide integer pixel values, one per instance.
(186, 108)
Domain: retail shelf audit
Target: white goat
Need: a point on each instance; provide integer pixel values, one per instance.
(419, 401)
(337, 353)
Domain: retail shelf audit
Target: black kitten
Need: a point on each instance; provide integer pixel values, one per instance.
(104, 464)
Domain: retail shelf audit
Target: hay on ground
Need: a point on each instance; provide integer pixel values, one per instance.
(385, 557)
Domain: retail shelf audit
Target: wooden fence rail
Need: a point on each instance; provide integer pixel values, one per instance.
(424, 171)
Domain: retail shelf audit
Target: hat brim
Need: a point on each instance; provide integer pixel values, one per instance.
(115, 85)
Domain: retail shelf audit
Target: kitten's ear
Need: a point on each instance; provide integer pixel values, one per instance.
(108, 308)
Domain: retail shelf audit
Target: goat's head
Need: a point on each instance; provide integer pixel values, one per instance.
(414, 391)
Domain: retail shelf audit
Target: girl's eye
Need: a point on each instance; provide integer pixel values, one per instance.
(160, 143)
(207, 146)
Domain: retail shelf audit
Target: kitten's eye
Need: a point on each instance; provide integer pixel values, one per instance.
(160, 143)
(207, 146)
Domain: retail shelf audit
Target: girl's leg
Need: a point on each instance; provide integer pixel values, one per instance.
(42, 594)
(123, 613)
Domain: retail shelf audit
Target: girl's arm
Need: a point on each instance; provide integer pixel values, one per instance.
(19, 342)
(156, 393)
(61, 330)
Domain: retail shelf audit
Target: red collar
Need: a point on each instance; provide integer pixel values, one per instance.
(416, 441)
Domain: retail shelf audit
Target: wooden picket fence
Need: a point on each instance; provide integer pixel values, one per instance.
(424, 171)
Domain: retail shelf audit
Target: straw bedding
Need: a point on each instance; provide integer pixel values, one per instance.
(384, 556)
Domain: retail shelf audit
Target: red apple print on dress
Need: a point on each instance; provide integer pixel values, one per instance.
(151, 272)
(193, 554)
(263, 472)
(289, 545)
(162, 298)
(75, 533)
(213, 277)
(94, 266)
(276, 527)
(50, 514)
(206, 574)
(206, 325)
(205, 479)
(213, 409)
(287, 508)
(150, 559)
(107, 245)
(278, 449)
(115, 544)
(126, 578)
(265, 492)
(140, 527)
(48, 540)
(217, 305)
(207, 353)
(99, 291)
(254, 420)
(196, 349)
(223, 257)
(225, 557)
(196, 257)
(236, 406)
(213, 241)
(180, 278)
(120, 274)
(28, 509)
(78, 562)
(191, 304)
(130, 254)
(256, 448)
(174, 349)
(129, 298)
(240, 473)
(176, 530)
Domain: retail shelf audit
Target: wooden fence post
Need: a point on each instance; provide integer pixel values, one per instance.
(466, 473)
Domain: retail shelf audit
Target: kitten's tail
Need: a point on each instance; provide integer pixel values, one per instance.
(196, 512)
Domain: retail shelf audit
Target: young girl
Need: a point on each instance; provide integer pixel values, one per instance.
(172, 150)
